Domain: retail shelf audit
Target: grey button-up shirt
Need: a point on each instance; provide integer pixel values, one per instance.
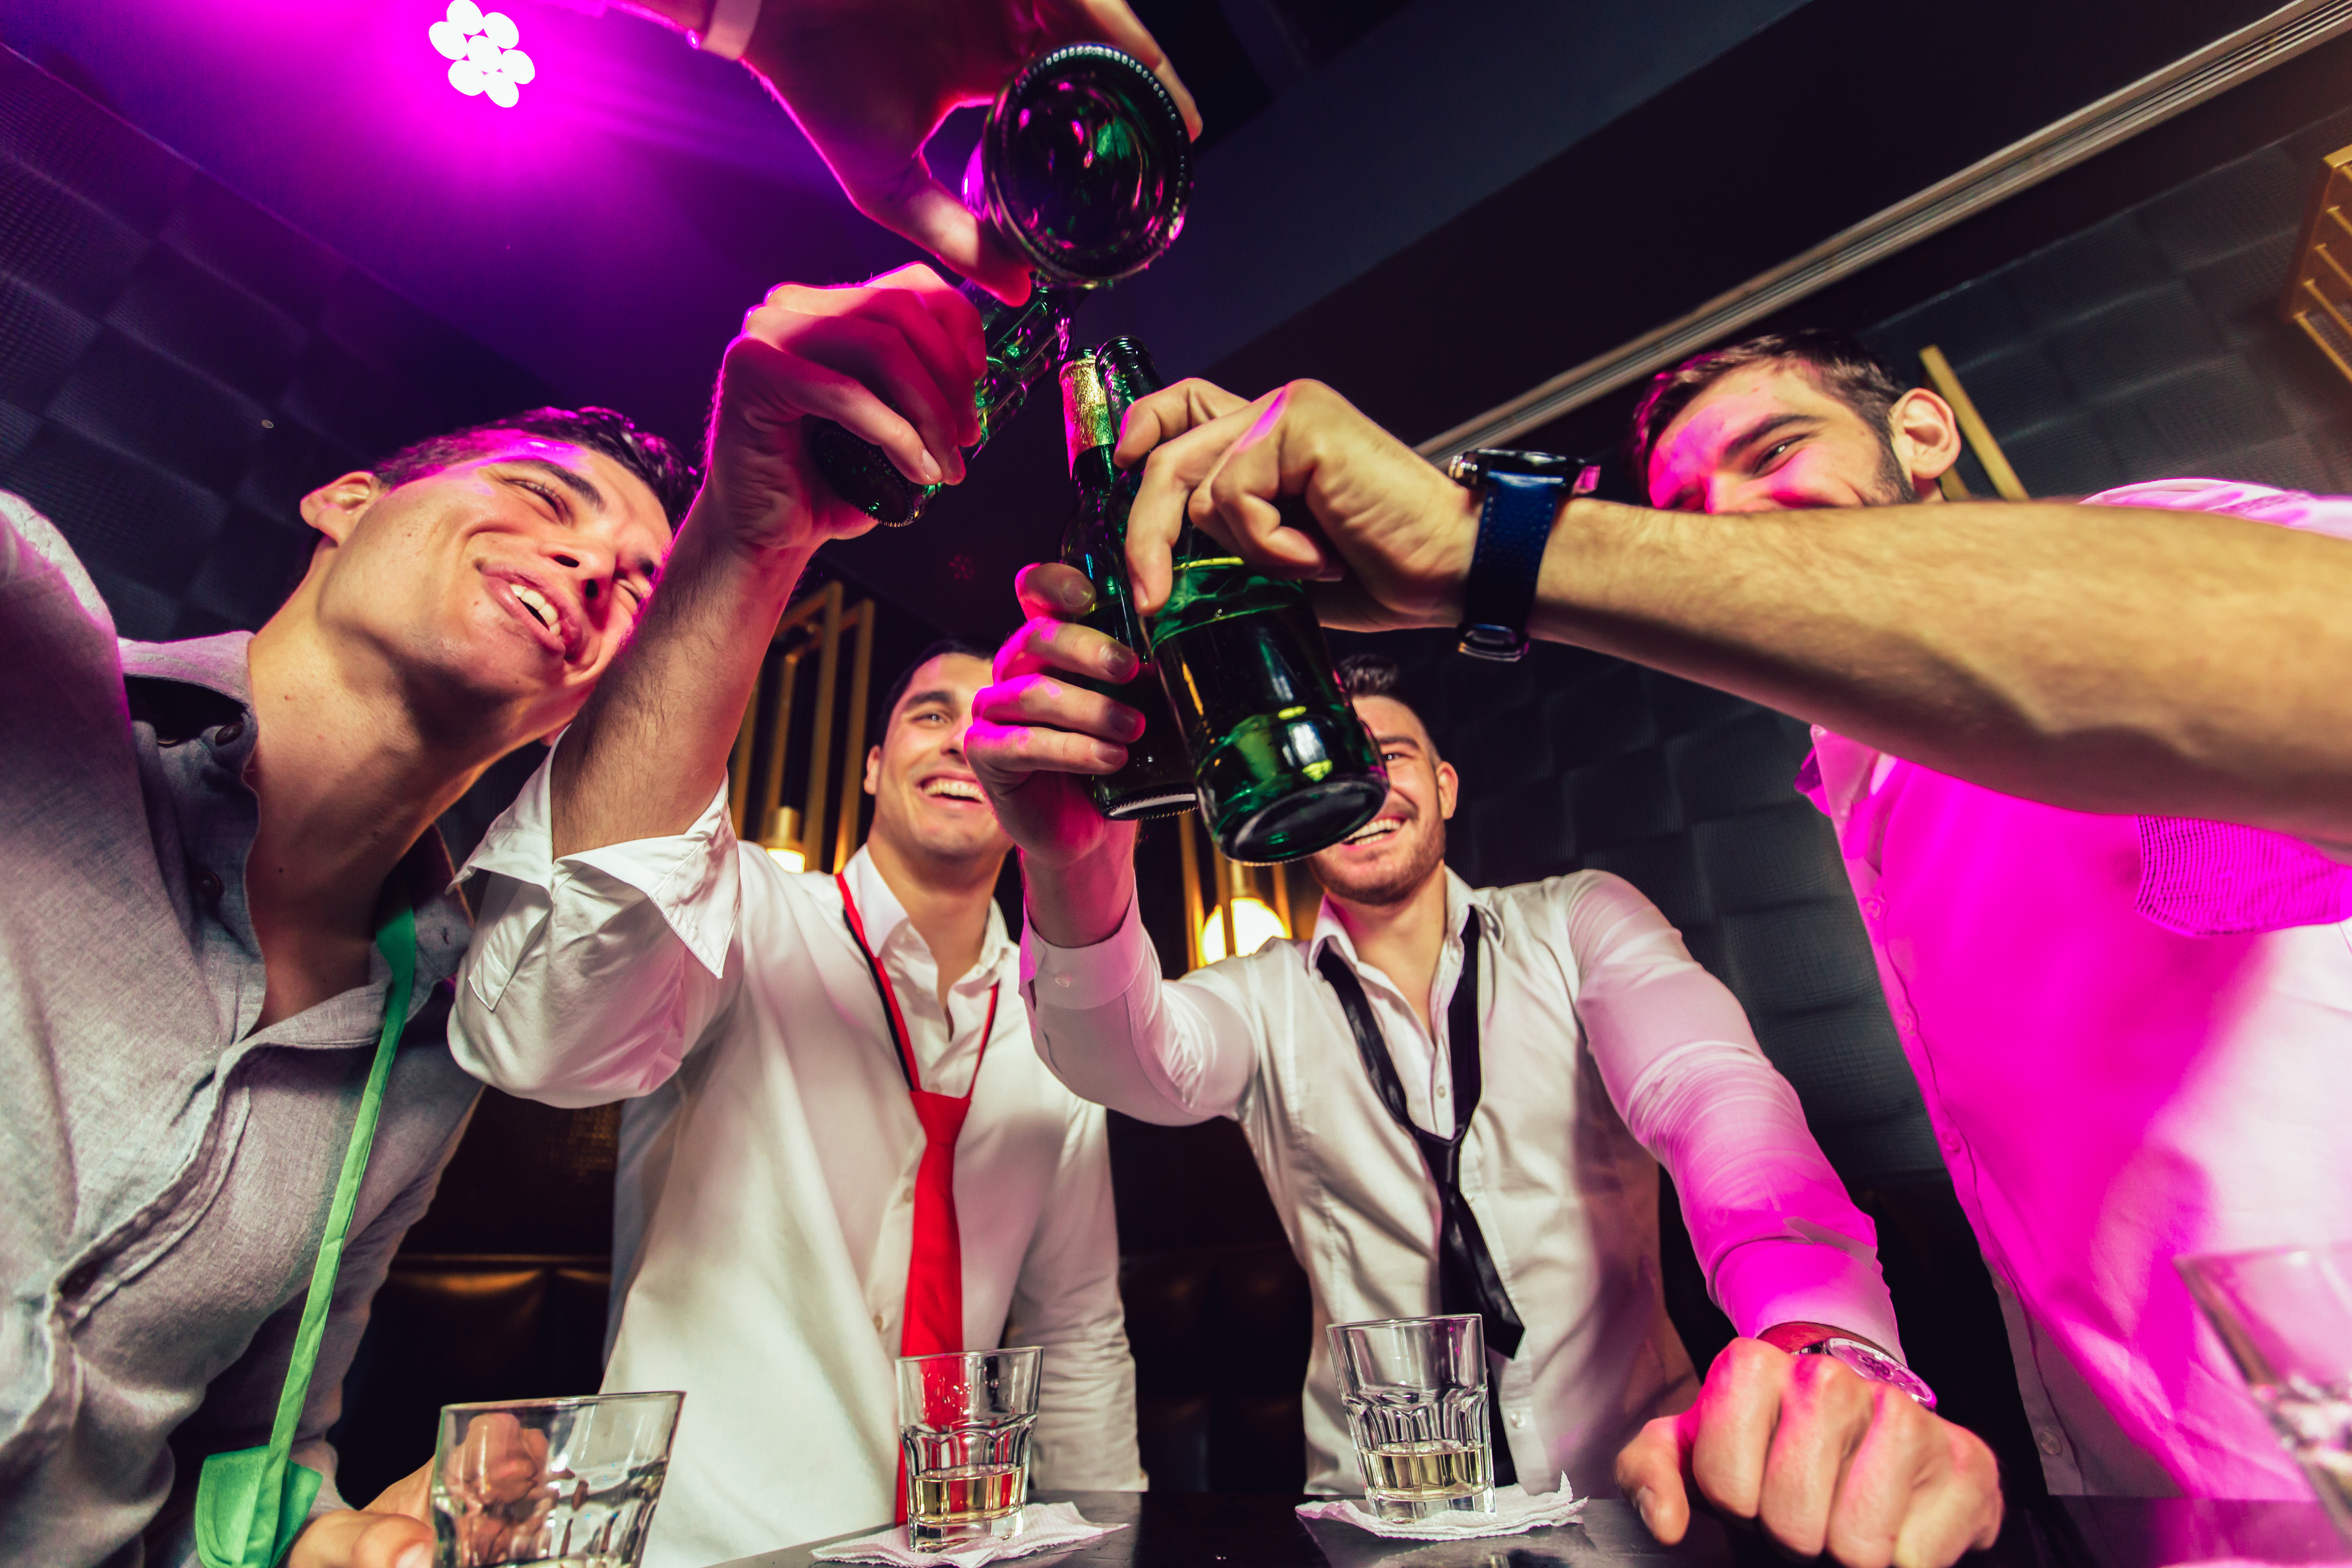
(168, 1166)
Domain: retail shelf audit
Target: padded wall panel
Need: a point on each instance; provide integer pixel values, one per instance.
(178, 366)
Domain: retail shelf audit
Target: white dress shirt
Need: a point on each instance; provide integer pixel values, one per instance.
(1602, 1044)
(2108, 1094)
(765, 1205)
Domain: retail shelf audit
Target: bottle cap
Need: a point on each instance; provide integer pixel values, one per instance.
(1086, 407)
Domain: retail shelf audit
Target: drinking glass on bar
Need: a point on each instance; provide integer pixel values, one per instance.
(2285, 1312)
(1415, 1389)
(964, 1420)
(572, 1481)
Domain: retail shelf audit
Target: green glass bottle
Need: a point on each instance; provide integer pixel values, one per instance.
(1282, 766)
(1158, 778)
(1084, 170)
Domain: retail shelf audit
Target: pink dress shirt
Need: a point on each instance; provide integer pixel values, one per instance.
(2109, 1094)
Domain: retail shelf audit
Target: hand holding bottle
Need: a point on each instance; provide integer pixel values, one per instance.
(892, 360)
(1391, 536)
(1035, 739)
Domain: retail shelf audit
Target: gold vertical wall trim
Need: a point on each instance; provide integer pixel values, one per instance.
(1189, 852)
(770, 823)
(1229, 887)
(1282, 898)
(853, 756)
(828, 670)
(1972, 425)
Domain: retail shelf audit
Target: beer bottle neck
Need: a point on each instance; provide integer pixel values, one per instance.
(1091, 468)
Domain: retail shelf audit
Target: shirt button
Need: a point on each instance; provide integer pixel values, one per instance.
(1062, 981)
(877, 1323)
(2049, 1442)
(1518, 1417)
(1443, 1090)
(208, 886)
(227, 735)
(1951, 1141)
(1874, 906)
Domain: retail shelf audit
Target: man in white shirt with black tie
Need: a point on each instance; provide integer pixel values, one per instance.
(1600, 1044)
(839, 1146)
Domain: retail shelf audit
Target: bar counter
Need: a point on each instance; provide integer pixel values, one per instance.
(1202, 1530)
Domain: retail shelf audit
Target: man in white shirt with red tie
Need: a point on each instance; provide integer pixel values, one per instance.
(839, 1146)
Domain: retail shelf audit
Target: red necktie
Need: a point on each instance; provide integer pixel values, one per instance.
(933, 1319)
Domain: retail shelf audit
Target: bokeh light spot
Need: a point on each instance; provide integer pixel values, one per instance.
(483, 52)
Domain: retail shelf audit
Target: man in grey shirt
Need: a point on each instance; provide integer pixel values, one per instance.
(201, 838)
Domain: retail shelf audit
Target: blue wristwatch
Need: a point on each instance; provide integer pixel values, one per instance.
(1523, 495)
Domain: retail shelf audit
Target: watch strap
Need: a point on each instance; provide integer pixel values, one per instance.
(1513, 526)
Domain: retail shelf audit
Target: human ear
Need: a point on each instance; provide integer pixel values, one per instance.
(335, 506)
(1449, 789)
(873, 769)
(1926, 435)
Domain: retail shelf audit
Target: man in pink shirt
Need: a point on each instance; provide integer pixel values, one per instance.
(2129, 1030)
(2127, 658)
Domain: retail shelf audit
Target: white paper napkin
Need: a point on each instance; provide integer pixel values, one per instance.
(1044, 1527)
(1515, 1513)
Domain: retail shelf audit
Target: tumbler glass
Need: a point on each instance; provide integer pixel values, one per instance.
(964, 1419)
(540, 1480)
(1415, 1389)
(2285, 1312)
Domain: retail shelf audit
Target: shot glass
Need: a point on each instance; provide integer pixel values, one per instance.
(530, 1480)
(964, 1420)
(1415, 1389)
(2285, 1312)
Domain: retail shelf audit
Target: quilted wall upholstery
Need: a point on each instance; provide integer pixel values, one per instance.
(2148, 345)
(177, 366)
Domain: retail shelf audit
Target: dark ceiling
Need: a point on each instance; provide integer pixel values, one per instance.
(1434, 206)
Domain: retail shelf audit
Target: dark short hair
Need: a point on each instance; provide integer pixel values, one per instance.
(667, 471)
(940, 649)
(1377, 675)
(1837, 361)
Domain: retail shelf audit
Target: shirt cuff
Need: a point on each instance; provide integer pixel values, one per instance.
(1791, 1280)
(1075, 979)
(689, 877)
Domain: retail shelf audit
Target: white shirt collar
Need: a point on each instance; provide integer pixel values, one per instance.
(1459, 899)
(884, 917)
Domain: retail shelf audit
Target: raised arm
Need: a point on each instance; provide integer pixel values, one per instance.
(893, 360)
(2107, 659)
(1103, 1020)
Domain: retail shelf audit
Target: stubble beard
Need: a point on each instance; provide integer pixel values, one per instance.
(1400, 885)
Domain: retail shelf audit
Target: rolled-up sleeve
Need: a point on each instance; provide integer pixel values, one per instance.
(591, 977)
(1773, 1225)
(1114, 1032)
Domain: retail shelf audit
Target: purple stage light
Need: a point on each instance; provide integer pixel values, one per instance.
(483, 59)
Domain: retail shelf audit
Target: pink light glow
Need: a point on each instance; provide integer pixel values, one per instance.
(484, 60)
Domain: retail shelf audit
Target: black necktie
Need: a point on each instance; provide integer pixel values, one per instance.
(1466, 1279)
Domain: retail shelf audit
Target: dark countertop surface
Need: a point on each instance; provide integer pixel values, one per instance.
(1204, 1530)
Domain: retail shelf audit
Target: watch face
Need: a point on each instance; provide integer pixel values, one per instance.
(1483, 460)
(1876, 1366)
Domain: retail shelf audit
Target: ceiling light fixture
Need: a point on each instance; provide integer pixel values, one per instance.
(481, 47)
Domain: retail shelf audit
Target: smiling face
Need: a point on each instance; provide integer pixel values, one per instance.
(1767, 437)
(496, 590)
(1394, 854)
(928, 803)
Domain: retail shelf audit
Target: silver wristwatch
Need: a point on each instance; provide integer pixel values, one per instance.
(1869, 1361)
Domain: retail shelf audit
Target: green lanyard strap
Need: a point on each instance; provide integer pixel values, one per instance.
(252, 1503)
